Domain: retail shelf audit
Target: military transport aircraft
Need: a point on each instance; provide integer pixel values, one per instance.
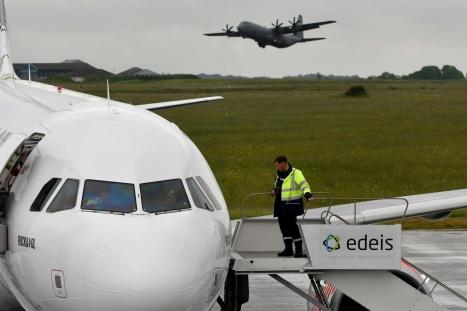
(278, 36)
(108, 206)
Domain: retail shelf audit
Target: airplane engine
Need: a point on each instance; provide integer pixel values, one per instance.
(437, 216)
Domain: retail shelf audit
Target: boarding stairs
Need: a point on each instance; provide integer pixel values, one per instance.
(256, 242)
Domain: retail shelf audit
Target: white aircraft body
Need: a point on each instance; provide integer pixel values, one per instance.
(108, 206)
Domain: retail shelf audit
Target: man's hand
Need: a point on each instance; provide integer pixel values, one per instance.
(309, 196)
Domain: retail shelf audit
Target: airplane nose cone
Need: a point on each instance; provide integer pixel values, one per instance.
(158, 269)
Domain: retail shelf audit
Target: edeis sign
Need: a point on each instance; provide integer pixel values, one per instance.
(367, 247)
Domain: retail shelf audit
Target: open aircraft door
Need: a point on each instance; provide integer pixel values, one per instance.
(14, 151)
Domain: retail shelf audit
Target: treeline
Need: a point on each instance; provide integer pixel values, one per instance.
(447, 72)
(154, 77)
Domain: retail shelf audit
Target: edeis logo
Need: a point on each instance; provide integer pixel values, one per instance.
(358, 247)
(332, 243)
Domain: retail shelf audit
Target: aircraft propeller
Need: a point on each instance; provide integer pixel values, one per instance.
(228, 28)
(276, 25)
(294, 25)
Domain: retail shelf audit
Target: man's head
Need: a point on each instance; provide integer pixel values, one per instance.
(281, 163)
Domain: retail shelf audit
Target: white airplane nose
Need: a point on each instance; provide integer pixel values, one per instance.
(153, 270)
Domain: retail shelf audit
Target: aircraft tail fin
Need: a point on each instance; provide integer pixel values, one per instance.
(300, 19)
(300, 23)
(7, 71)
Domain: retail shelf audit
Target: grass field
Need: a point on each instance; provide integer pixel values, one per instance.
(405, 138)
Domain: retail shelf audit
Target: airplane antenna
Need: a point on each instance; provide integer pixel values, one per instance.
(3, 23)
(108, 91)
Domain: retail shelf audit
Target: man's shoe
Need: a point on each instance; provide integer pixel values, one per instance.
(288, 251)
(299, 250)
(299, 255)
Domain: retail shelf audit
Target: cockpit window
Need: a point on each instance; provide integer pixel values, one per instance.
(44, 194)
(66, 197)
(113, 197)
(164, 196)
(199, 198)
(208, 192)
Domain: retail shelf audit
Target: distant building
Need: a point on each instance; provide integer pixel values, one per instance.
(76, 70)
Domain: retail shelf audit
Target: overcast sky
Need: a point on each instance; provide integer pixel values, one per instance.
(371, 36)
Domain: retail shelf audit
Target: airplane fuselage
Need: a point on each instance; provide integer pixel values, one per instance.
(267, 36)
(81, 259)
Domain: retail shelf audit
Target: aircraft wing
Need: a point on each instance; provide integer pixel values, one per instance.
(57, 101)
(431, 205)
(305, 27)
(312, 39)
(223, 34)
(309, 26)
(179, 103)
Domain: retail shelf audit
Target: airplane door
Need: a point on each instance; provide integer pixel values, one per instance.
(14, 150)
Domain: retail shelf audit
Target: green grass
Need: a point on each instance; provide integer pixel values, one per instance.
(405, 138)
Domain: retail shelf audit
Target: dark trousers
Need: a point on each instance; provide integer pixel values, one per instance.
(289, 227)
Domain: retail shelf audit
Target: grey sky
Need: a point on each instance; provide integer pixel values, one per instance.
(371, 36)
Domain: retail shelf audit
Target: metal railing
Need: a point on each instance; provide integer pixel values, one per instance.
(269, 193)
(435, 280)
(327, 215)
(249, 196)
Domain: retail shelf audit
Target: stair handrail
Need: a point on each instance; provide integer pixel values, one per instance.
(357, 200)
(254, 194)
(248, 196)
(438, 282)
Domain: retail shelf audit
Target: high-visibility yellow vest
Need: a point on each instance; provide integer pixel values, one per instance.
(294, 186)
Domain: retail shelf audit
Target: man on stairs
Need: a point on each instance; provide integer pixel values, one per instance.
(289, 190)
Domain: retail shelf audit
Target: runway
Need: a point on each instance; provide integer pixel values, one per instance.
(441, 253)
